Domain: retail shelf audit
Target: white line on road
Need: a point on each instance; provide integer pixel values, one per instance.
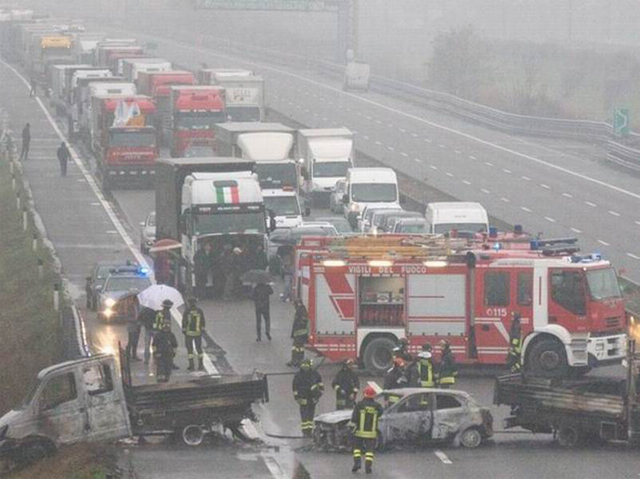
(415, 135)
(576, 230)
(434, 167)
(488, 163)
(614, 213)
(390, 148)
(506, 200)
(417, 160)
(365, 137)
(457, 152)
(567, 195)
(427, 140)
(631, 255)
(390, 125)
(402, 130)
(485, 191)
(525, 178)
(443, 457)
(450, 175)
(378, 142)
(603, 243)
(588, 203)
(549, 219)
(546, 187)
(441, 145)
(506, 170)
(368, 117)
(466, 182)
(471, 157)
(637, 222)
(404, 154)
(524, 208)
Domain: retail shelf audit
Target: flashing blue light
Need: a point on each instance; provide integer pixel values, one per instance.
(497, 246)
(143, 271)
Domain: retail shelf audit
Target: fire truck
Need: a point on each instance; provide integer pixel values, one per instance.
(365, 293)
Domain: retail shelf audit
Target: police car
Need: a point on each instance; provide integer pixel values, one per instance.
(117, 298)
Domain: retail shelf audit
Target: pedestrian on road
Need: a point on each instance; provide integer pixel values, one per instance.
(261, 293)
(146, 318)
(448, 370)
(164, 349)
(192, 327)
(299, 334)
(364, 420)
(133, 332)
(261, 260)
(34, 86)
(63, 157)
(202, 265)
(395, 378)
(346, 385)
(26, 141)
(307, 390)
(233, 267)
(514, 356)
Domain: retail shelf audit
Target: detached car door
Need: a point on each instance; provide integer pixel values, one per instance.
(408, 421)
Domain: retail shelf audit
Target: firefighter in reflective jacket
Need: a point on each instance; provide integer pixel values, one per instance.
(192, 326)
(396, 378)
(514, 356)
(448, 370)
(402, 350)
(423, 373)
(164, 316)
(346, 384)
(365, 423)
(307, 390)
(299, 334)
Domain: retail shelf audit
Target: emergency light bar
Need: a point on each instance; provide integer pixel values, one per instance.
(380, 263)
(333, 263)
(435, 264)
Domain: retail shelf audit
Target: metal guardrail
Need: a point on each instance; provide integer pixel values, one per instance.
(583, 130)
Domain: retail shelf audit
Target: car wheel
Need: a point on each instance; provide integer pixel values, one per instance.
(471, 438)
(35, 451)
(192, 435)
(569, 436)
(378, 355)
(547, 358)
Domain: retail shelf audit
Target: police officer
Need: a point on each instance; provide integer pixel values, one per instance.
(424, 374)
(164, 349)
(299, 334)
(193, 324)
(365, 422)
(346, 385)
(514, 356)
(402, 350)
(448, 370)
(307, 390)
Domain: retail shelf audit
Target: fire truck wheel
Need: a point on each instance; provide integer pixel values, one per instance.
(192, 435)
(378, 355)
(570, 436)
(548, 358)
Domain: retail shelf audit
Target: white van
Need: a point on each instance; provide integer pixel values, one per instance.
(366, 186)
(467, 218)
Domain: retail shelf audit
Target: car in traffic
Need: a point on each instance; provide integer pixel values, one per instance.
(148, 232)
(117, 297)
(410, 226)
(289, 238)
(384, 220)
(364, 224)
(414, 416)
(339, 223)
(336, 204)
(95, 281)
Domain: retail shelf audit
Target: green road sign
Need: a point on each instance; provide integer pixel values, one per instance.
(621, 122)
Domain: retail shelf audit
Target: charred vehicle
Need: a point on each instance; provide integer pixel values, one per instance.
(414, 416)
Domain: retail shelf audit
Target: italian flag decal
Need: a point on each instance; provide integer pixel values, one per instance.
(227, 192)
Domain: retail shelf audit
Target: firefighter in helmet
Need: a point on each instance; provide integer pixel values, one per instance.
(307, 390)
(514, 356)
(346, 385)
(364, 421)
(448, 370)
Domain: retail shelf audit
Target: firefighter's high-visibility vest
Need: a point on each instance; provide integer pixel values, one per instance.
(425, 374)
(367, 425)
(160, 321)
(194, 323)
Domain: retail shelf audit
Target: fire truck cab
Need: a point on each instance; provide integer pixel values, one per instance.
(365, 293)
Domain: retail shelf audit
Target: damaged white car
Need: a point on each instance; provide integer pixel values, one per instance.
(414, 416)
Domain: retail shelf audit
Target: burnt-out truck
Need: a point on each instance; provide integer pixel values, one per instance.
(582, 411)
(92, 399)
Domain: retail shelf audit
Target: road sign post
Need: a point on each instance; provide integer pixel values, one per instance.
(621, 122)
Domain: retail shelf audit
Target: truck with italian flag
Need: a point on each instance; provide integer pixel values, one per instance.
(210, 200)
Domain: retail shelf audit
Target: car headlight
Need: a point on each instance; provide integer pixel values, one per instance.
(107, 313)
(109, 302)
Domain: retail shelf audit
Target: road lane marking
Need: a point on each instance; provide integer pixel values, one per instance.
(441, 145)
(390, 148)
(471, 157)
(457, 152)
(378, 142)
(506, 171)
(525, 178)
(576, 230)
(488, 163)
(549, 219)
(120, 229)
(485, 191)
(415, 135)
(466, 182)
(434, 167)
(546, 187)
(588, 203)
(427, 140)
(402, 130)
(404, 154)
(637, 222)
(417, 160)
(450, 175)
(524, 208)
(631, 255)
(443, 457)
(603, 243)
(506, 200)
(614, 213)
(365, 137)
(567, 195)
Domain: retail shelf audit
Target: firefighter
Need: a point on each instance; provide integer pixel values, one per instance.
(402, 350)
(424, 374)
(346, 385)
(193, 325)
(448, 370)
(164, 349)
(395, 378)
(299, 334)
(364, 420)
(163, 316)
(514, 356)
(307, 390)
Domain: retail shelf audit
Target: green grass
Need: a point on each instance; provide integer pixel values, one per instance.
(30, 338)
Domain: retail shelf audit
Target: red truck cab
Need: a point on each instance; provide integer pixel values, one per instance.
(193, 112)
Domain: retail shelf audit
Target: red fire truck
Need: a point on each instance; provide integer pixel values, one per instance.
(193, 112)
(365, 293)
